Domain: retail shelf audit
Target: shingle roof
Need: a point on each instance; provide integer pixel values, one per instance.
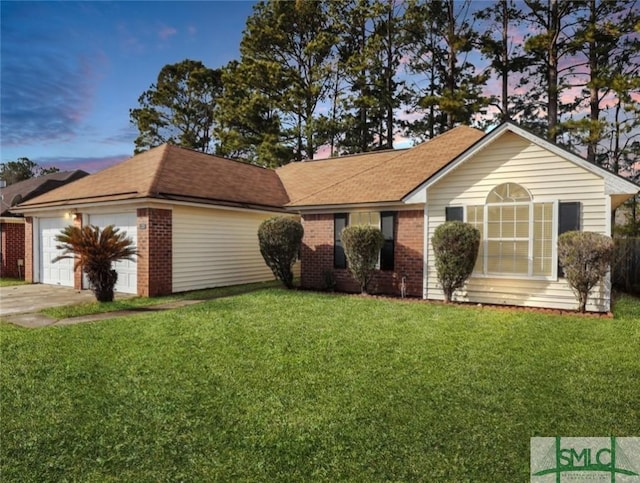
(171, 172)
(376, 177)
(32, 187)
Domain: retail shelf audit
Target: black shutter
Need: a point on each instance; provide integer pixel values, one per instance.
(387, 223)
(568, 220)
(340, 220)
(454, 213)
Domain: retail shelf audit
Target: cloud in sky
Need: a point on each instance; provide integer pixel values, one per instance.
(165, 32)
(89, 164)
(49, 92)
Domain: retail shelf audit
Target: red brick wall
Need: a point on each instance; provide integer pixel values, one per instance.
(154, 252)
(317, 256)
(12, 249)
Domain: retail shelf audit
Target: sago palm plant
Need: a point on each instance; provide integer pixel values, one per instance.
(95, 251)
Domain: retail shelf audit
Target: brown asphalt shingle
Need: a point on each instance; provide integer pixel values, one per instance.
(171, 172)
(374, 177)
(32, 187)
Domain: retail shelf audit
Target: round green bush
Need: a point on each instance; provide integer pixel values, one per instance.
(585, 257)
(456, 248)
(280, 238)
(362, 245)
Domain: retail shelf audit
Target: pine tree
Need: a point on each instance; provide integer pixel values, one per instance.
(442, 36)
(369, 53)
(285, 72)
(554, 22)
(607, 53)
(178, 108)
(505, 55)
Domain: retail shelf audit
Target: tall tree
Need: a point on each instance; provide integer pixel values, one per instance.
(554, 22)
(178, 108)
(369, 57)
(504, 54)
(287, 46)
(247, 115)
(443, 36)
(606, 50)
(23, 168)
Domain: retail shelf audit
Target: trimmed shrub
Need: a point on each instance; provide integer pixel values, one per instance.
(456, 248)
(95, 251)
(280, 238)
(585, 257)
(362, 245)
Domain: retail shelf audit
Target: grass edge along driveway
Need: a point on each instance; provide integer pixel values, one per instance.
(298, 386)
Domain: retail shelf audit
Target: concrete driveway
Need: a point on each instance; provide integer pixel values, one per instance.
(26, 299)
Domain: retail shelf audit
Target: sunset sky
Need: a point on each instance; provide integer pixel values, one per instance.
(72, 70)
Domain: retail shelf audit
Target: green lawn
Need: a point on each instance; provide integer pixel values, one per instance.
(8, 282)
(133, 303)
(295, 386)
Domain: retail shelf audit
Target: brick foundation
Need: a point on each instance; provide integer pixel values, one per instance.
(155, 264)
(12, 249)
(317, 256)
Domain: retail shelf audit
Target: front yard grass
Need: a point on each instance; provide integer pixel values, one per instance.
(133, 303)
(296, 386)
(9, 282)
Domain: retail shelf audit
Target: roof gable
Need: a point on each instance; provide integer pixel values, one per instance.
(614, 184)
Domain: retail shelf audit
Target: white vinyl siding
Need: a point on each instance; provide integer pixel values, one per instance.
(215, 248)
(127, 269)
(549, 179)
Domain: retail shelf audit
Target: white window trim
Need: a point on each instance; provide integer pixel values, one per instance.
(554, 241)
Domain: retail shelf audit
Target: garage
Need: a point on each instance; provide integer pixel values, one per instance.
(60, 272)
(127, 270)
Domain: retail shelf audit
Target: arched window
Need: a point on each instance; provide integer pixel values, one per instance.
(517, 233)
(508, 215)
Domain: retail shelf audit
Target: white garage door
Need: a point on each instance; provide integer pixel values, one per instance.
(127, 271)
(60, 272)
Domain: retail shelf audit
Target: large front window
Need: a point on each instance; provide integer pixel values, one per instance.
(517, 234)
(384, 220)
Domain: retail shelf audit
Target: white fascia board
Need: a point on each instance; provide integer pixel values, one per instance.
(133, 204)
(323, 209)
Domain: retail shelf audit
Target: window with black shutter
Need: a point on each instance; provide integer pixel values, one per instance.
(454, 213)
(387, 223)
(568, 220)
(339, 257)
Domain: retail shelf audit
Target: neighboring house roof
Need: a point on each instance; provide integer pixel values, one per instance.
(378, 177)
(32, 187)
(173, 173)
